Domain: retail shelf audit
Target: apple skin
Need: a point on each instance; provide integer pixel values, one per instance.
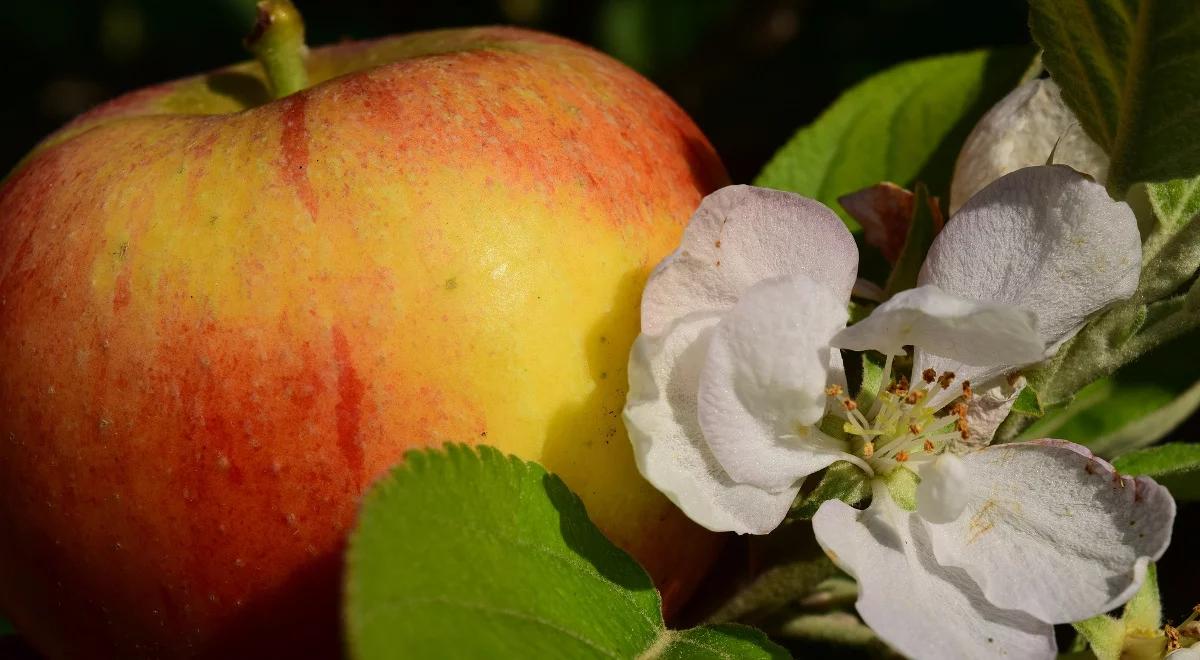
(221, 317)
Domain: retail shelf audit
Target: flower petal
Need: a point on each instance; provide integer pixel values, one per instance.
(1031, 126)
(941, 495)
(763, 383)
(922, 609)
(660, 415)
(944, 324)
(1052, 530)
(1046, 239)
(739, 236)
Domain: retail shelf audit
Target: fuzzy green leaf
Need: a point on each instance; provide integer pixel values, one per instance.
(841, 481)
(468, 553)
(901, 125)
(1130, 70)
(1174, 465)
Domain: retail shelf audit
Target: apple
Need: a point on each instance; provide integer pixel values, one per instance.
(223, 315)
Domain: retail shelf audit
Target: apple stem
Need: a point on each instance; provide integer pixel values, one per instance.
(277, 41)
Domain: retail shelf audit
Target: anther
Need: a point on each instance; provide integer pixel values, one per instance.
(928, 446)
(834, 390)
(960, 410)
(914, 429)
(902, 385)
(914, 396)
(849, 404)
(929, 375)
(901, 456)
(945, 379)
(967, 392)
(868, 450)
(963, 428)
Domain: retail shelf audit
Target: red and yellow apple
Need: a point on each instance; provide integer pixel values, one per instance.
(222, 316)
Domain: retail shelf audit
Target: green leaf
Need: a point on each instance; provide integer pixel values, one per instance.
(1174, 465)
(1027, 403)
(921, 230)
(1133, 408)
(1130, 70)
(1104, 634)
(841, 481)
(872, 379)
(902, 484)
(901, 125)
(469, 553)
(1144, 610)
(1176, 201)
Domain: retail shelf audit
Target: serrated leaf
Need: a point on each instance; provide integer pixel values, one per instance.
(841, 481)
(1174, 465)
(1130, 70)
(903, 124)
(468, 553)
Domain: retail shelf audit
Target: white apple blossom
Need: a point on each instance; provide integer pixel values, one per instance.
(737, 393)
(1030, 126)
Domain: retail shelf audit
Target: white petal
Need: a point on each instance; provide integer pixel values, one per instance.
(922, 609)
(989, 408)
(1046, 239)
(1031, 126)
(739, 236)
(763, 383)
(941, 495)
(660, 415)
(1190, 653)
(947, 325)
(1052, 530)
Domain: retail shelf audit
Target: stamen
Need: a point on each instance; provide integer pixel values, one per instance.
(833, 390)
(967, 392)
(945, 379)
(902, 456)
(914, 429)
(928, 446)
(868, 450)
(929, 375)
(914, 396)
(963, 428)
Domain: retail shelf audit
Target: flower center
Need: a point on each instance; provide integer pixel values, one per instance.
(903, 421)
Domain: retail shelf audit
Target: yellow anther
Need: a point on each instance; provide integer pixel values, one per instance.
(834, 390)
(902, 456)
(945, 379)
(928, 446)
(959, 410)
(929, 375)
(868, 450)
(914, 429)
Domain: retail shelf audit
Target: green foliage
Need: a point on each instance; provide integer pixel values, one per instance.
(1135, 407)
(1108, 637)
(468, 553)
(921, 231)
(902, 125)
(1175, 202)
(902, 483)
(841, 481)
(1130, 70)
(1174, 465)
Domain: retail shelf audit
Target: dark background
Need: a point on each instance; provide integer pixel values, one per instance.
(750, 73)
